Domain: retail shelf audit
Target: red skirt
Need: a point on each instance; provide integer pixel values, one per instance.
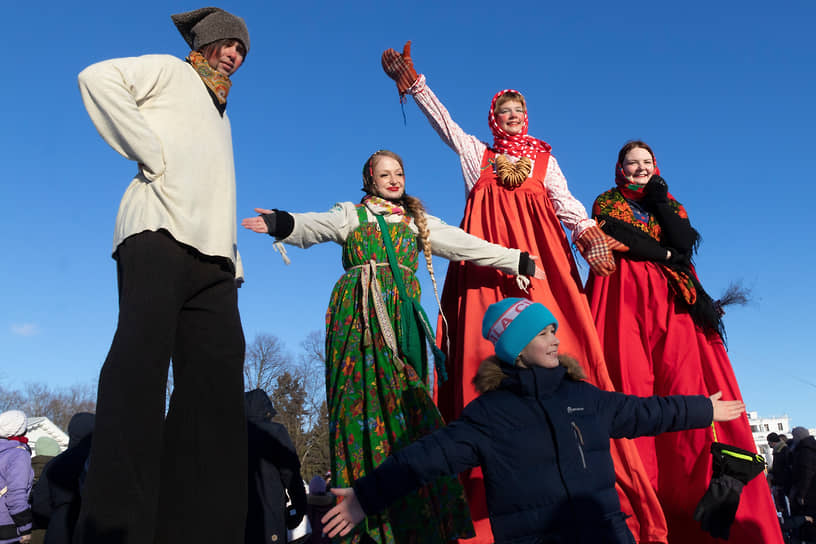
(653, 347)
(524, 218)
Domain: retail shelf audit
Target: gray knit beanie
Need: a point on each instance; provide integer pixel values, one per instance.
(206, 25)
(799, 433)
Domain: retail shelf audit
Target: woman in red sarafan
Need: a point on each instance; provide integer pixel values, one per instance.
(517, 196)
(662, 335)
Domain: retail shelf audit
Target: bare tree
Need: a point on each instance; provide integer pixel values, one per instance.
(10, 400)
(58, 405)
(311, 369)
(297, 388)
(265, 361)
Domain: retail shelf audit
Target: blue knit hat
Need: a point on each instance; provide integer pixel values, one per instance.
(511, 323)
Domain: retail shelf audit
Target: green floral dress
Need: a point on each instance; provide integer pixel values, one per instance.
(378, 405)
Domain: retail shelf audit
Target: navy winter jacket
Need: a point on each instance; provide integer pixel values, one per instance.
(542, 441)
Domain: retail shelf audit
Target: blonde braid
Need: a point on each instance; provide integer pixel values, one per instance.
(417, 211)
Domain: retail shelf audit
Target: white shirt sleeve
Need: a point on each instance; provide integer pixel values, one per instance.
(112, 92)
(469, 148)
(567, 208)
(317, 227)
(455, 244)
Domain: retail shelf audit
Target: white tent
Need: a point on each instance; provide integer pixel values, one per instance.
(42, 426)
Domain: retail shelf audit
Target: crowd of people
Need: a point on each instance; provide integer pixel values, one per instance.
(792, 477)
(41, 487)
(544, 380)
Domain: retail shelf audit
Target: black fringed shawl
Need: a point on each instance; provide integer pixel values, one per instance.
(650, 227)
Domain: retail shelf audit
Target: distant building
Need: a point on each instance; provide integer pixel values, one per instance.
(42, 426)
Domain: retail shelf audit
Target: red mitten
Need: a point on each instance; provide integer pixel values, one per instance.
(400, 67)
(596, 247)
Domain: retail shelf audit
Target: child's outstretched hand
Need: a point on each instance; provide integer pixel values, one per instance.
(726, 410)
(341, 519)
(257, 223)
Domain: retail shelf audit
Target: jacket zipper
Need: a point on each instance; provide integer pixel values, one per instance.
(580, 438)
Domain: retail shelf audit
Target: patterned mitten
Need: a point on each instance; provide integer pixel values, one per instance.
(400, 67)
(596, 247)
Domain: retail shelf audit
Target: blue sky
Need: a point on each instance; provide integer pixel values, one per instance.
(723, 91)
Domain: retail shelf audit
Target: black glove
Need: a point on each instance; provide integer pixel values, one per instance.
(718, 507)
(280, 224)
(677, 231)
(526, 265)
(731, 468)
(656, 191)
(679, 257)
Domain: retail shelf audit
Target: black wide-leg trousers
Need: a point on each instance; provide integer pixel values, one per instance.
(181, 477)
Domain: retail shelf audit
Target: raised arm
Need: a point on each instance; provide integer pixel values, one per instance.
(400, 67)
(112, 92)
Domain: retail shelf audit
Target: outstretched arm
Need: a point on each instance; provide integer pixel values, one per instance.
(635, 416)
(447, 451)
(305, 229)
(455, 244)
(726, 410)
(343, 517)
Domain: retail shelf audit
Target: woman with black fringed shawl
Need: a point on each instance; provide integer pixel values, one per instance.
(663, 335)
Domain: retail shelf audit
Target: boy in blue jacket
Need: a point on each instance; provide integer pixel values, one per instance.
(541, 435)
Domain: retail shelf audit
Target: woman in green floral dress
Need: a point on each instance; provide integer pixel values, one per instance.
(376, 358)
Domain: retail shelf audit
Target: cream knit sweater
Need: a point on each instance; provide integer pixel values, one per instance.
(156, 111)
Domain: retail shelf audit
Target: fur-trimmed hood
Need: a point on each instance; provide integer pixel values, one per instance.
(492, 372)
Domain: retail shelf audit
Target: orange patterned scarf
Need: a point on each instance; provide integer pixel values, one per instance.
(216, 82)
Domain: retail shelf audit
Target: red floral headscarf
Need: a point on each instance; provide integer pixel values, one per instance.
(517, 145)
